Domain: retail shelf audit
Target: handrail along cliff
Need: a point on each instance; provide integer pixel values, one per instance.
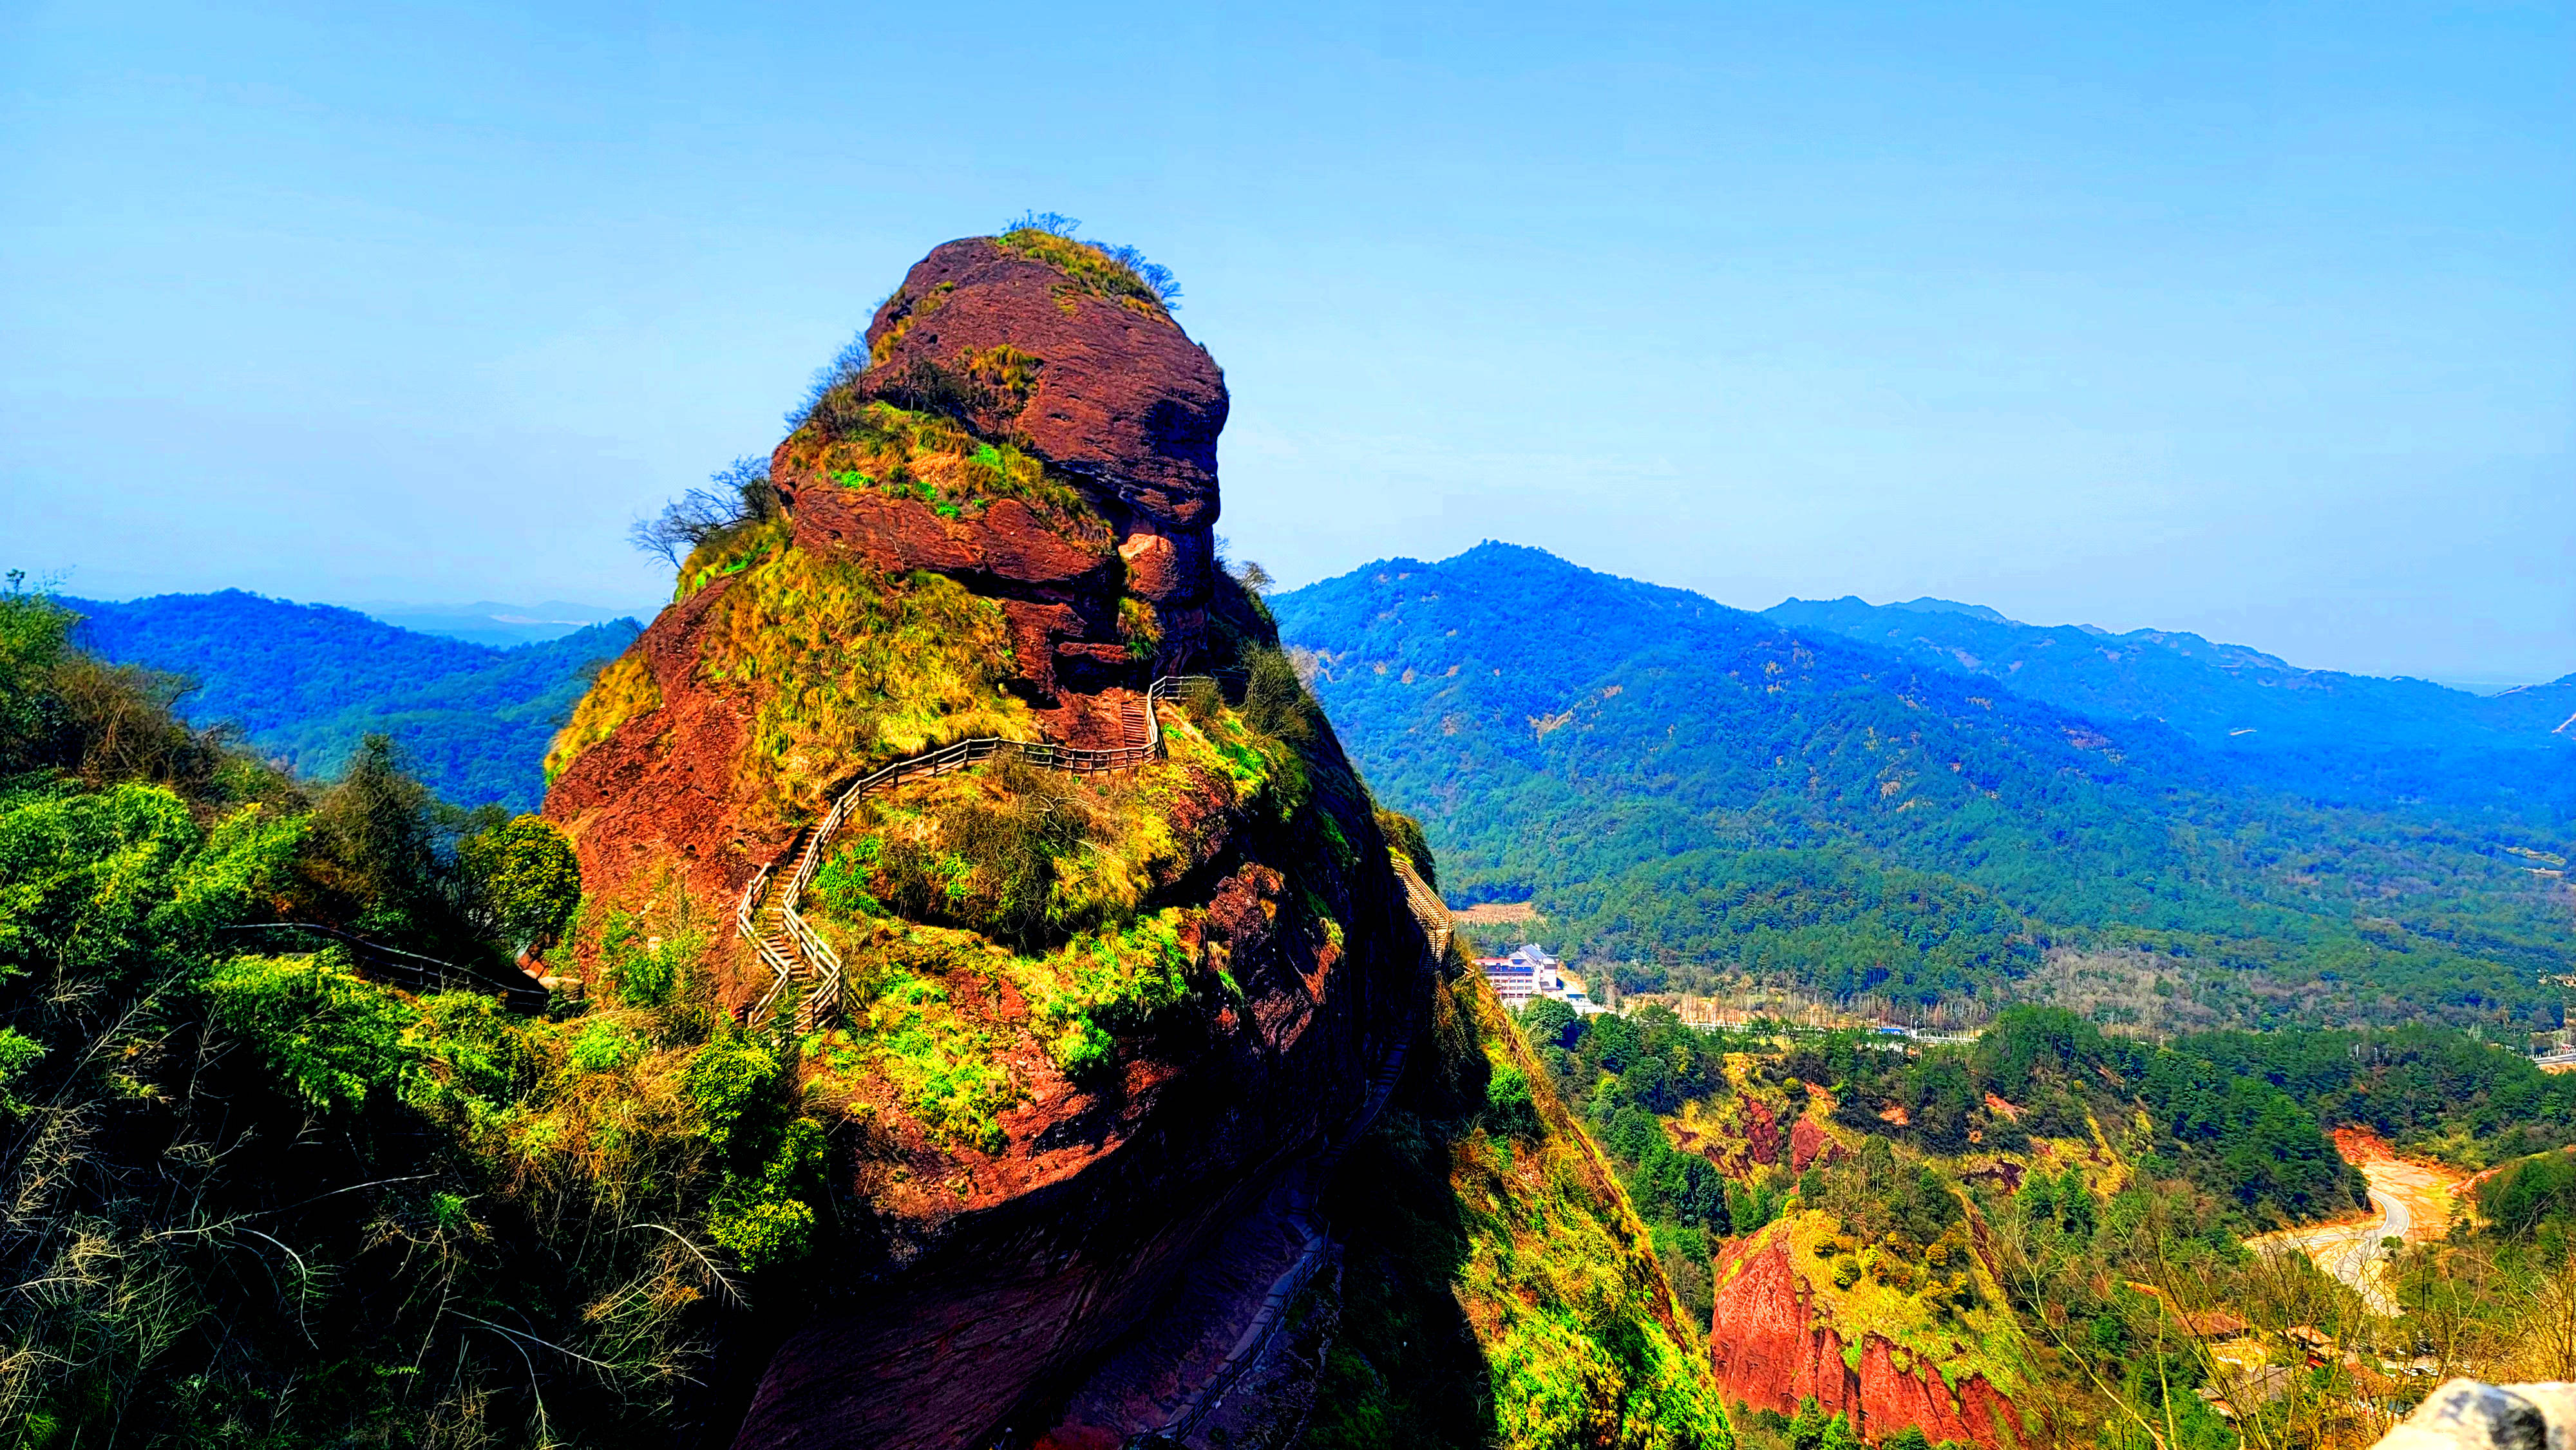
(991, 557)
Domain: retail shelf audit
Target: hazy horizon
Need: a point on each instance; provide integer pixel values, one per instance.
(2252, 324)
(418, 615)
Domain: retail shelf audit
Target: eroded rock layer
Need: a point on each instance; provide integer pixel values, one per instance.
(1065, 1062)
(1767, 1350)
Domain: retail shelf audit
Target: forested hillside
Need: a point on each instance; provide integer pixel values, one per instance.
(2045, 1211)
(1692, 791)
(306, 682)
(2322, 732)
(261, 1196)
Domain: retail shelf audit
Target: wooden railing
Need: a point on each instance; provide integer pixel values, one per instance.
(416, 973)
(793, 950)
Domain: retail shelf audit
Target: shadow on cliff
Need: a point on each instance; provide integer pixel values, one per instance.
(1406, 1368)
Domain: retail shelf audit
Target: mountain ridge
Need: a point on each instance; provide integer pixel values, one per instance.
(305, 683)
(2328, 733)
(1658, 770)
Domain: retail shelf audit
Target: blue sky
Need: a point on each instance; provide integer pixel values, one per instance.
(2253, 320)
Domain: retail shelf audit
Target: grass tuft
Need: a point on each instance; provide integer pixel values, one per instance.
(623, 691)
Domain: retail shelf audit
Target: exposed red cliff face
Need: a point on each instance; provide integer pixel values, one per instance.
(1766, 1350)
(971, 1289)
(1119, 393)
(659, 795)
(1006, 543)
(1105, 389)
(1810, 1144)
(1761, 1132)
(1116, 394)
(1741, 1135)
(993, 1304)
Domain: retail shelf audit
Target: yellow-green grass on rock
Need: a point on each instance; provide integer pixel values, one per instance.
(908, 453)
(622, 692)
(849, 667)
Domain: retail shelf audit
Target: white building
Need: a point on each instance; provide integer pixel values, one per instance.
(1530, 973)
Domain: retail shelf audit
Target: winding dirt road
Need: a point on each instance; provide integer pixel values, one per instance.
(2413, 1203)
(2353, 1252)
(2410, 1199)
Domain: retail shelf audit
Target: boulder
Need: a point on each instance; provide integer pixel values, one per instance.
(2466, 1414)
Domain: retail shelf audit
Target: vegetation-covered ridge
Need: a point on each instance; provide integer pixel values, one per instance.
(305, 683)
(840, 666)
(1118, 273)
(1498, 1290)
(1007, 922)
(1700, 800)
(260, 1198)
(2322, 732)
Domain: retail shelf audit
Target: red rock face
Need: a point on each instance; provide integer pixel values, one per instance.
(1056, 1254)
(659, 794)
(1109, 392)
(976, 1289)
(1005, 544)
(1120, 396)
(1811, 1144)
(1767, 1351)
(1761, 1132)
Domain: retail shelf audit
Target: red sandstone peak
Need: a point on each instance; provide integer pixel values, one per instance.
(1102, 382)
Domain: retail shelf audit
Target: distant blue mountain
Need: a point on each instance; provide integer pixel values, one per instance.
(2321, 732)
(503, 626)
(304, 682)
(1863, 802)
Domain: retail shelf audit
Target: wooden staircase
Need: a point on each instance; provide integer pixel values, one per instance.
(796, 955)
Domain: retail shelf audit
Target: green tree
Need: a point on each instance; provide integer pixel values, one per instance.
(1549, 1023)
(527, 877)
(1807, 1427)
(34, 635)
(373, 844)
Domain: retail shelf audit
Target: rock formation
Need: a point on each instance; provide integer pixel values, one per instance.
(1810, 1144)
(2466, 1414)
(1095, 380)
(1000, 527)
(1768, 1349)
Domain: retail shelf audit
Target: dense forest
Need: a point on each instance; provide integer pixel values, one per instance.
(2327, 734)
(1658, 773)
(305, 683)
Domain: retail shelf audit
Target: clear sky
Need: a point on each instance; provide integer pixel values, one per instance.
(2255, 320)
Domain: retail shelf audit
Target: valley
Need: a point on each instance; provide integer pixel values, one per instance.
(997, 975)
(2411, 1201)
(1690, 793)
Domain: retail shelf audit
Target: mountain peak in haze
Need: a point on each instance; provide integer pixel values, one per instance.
(2324, 731)
(1929, 605)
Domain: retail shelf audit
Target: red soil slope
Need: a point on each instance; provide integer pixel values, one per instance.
(1767, 1351)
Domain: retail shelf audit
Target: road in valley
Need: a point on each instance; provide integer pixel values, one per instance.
(2352, 1252)
(2411, 1200)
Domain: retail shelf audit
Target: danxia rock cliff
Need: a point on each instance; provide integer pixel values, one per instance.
(1107, 1024)
(1090, 1019)
(1776, 1345)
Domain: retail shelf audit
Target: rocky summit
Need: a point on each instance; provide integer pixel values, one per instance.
(1071, 1023)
